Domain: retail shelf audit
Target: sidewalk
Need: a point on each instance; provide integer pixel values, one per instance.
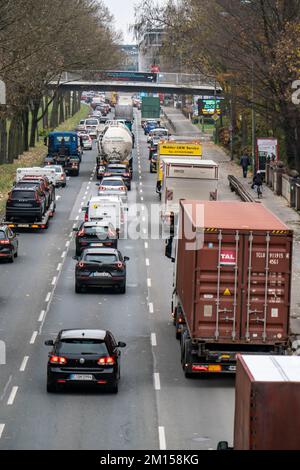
(277, 204)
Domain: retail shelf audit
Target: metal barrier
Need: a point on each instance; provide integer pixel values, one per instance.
(239, 189)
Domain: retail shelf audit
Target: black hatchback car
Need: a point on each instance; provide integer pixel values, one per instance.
(95, 235)
(101, 267)
(8, 243)
(84, 357)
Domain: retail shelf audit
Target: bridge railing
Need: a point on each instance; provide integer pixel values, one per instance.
(184, 79)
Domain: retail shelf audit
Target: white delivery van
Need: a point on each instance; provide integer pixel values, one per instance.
(50, 173)
(108, 208)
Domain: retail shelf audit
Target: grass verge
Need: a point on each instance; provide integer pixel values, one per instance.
(34, 157)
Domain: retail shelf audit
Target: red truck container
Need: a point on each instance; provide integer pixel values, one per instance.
(267, 403)
(232, 289)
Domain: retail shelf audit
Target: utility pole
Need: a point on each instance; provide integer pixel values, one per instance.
(253, 124)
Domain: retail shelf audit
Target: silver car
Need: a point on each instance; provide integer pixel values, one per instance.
(113, 185)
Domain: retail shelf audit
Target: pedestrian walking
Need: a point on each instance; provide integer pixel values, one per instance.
(245, 163)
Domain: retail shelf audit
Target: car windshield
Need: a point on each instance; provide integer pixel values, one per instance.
(82, 346)
(23, 194)
(112, 183)
(105, 258)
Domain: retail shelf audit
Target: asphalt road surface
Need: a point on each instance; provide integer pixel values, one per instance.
(156, 407)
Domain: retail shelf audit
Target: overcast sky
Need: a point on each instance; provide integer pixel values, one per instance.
(123, 11)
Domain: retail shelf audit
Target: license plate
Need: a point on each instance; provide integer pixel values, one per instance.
(214, 368)
(23, 225)
(101, 274)
(232, 368)
(96, 244)
(81, 377)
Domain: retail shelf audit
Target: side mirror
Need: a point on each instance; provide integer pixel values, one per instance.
(84, 209)
(49, 342)
(76, 229)
(126, 258)
(97, 184)
(76, 258)
(121, 344)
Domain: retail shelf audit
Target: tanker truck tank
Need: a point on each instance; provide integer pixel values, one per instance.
(116, 143)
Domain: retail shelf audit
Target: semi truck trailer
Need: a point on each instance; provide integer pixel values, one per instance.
(232, 289)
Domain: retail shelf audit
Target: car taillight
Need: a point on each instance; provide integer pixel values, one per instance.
(122, 188)
(102, 188)
(81, 264)
(119, 265)
(81, 233)
(4, 242)
(61, 177)
(126, 174)
(104, 361)
(57, 360)
(86, 217)
(111, 233)
(107, 174)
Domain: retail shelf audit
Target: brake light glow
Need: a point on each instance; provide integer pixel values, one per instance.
(57, 360)
(81, 233)
(4, 242)
(81, 264)
(102, 188)
(107, 174)
(107, 360)
(122, 188)
(119, 265)
(197, 368)
(86, 217)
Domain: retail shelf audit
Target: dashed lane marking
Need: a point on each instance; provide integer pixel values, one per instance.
(162, 438)
(53, 281)
(41, 317)
(48, 297)
(146, 245)
(151, 307)
(63, 254)
(147, 262)
(149, 283)
(2, 426)
(33, 337)
(156, 381)
(12, 395)
(153, 339)
(24, 364)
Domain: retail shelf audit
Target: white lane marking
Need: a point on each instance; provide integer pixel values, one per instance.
(70, 234)
(67, 244)
(151, 307)
(84, 198)
(33, 337)
(24, 364)
(6, 387)
(57, 197)
(153, 339)
(144, 219)
(156, 381)
(53, 281)
(42, 314)
(144, 231)
(85, 193)
(149, 283)
(81, 205)
(143, 208)
(141, 184)
(147, 262)
(162, 438)
(77, 217)
(48, 297)
(12, 395)
(63, 254)
(146, 245)
(142, 198)
(2, 426)
(59, 266)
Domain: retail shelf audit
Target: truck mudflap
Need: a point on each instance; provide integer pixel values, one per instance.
(41, 225)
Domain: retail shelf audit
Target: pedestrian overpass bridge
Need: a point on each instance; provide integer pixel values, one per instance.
(136, 82)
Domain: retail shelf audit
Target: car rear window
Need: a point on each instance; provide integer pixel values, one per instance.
(85, 137)
(112, 183)
(105, 258)
(116, 170)
(91, 122)
(82, 346)
(22, 195)
(95, 230)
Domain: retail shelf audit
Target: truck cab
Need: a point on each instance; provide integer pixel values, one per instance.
(64, 149)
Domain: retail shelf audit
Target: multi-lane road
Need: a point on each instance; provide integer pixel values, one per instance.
(156, 407)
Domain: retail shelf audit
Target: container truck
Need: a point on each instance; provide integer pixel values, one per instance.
(267, 403)
(125, 112)
(232, 288)
(150, 108)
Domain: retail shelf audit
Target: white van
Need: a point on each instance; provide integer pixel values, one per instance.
(110, 209)
(37, 171)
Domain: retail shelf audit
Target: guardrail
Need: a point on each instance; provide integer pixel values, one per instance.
(239, 189)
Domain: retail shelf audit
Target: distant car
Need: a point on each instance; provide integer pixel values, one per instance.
(112, 185)
(101, 267)
(81, 126)
(100, 171)
(8, 243)
(87, 142)
(61, 178)
(119, 169)
(94, 235)
(84, 357)
(149, 125)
